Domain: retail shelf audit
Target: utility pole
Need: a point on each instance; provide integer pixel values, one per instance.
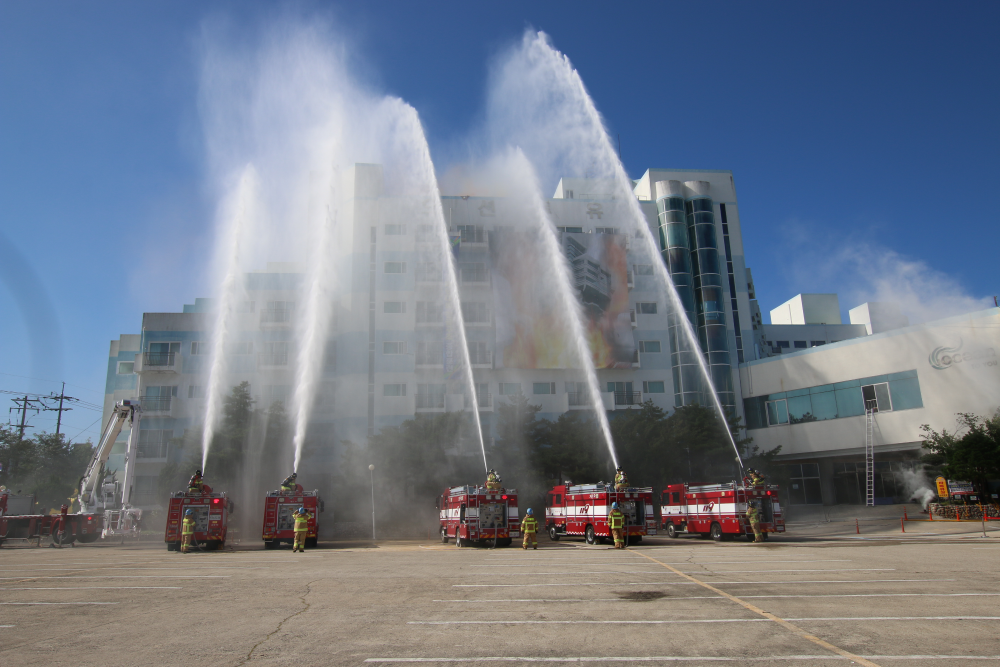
(23, 405)
(62, 397)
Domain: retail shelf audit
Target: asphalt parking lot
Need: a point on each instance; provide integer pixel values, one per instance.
(928, 597)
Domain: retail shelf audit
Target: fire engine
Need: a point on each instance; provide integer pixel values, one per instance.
(719, 511)
(582, 510)
(477, 514)
(279, 526)
(211, 515)
(17, 522)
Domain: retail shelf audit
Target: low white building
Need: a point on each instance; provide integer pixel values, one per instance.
(811, 402)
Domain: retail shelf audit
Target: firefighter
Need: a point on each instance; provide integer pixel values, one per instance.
(492, 480)
(753, 516)
(529, 526)
(301, 517)
(756, 478)
(194, 484)
(187, 531)
(621, 479)
(616, 520)
(288, 485)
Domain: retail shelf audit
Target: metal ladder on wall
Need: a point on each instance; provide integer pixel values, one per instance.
(870, 453)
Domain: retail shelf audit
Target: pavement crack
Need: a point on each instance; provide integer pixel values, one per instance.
(305, 607)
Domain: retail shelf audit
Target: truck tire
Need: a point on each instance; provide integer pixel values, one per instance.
(590, 536)
(459, 542)
(671, 530)
(444, 535)
(504, 542)
(635, 539)
(553, 535)
(716, 532)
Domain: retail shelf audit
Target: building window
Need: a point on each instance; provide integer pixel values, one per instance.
(605, 230)
(395, 267)
(510, 388)
(394, 347)
(394, 390)
(646, 308)
(395, 230)
(430, 353)
(126, 367)
(479, 354)
(428, 272)
(472, 272)
(649, 346)
(162, 354)
(571, 230)
(429, 312)
(800, 344)
(568, 194)
(782, 344)
(643, 269)
(394, 307)
(158, 399)
(803, 487)
(877, 397)
(475, 312)
(817, 343)
(196, 391)
(154, 443)
(277, 311)
(543, 387)
(471, 233)
(275, 354)
(777, 412)
(241, 347)
(653, 387)
(430, 396)
(198, 347)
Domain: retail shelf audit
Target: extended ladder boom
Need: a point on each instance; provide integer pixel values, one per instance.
(124, 411)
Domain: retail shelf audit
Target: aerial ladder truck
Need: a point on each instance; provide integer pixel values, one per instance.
(103, 492)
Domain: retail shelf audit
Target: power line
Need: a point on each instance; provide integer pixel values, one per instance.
(88, 427)
(27, 377)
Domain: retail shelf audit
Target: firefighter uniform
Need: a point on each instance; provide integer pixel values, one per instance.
(301, 527)
(194, 484)
(492, 480)
(187, 532)
(529, 526)
(621, 480)
(753, 515)
(288, 485)
(616, 520)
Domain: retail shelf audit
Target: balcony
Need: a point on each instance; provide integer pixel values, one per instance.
(628, 398)
(155, 403)
(158, 361)
(635, 359)
(633, 319)
(578, 400)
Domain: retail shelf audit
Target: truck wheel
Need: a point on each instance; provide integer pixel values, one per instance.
(504, 542)
(635, 539)
(671, 530)
(716, 532)
(444, 535)
(590, 535)
(459, 542)
(553, 535)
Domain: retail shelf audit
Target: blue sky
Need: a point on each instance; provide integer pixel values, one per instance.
(862, 136)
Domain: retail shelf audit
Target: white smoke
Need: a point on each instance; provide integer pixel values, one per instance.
(918, 487)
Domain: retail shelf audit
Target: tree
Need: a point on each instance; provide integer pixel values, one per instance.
(46, 466)
(971, 452)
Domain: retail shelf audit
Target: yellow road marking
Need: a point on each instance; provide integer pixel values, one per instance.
(791, 627)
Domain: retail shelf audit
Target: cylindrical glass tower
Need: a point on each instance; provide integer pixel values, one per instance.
(691, 252)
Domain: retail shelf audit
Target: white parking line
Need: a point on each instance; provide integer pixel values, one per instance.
(714, 583)
(128, 576)
(88, 588)
(681, 658)
(29, 604)
(709, 620)
(716, 597)
(538, 574)
(845, 569)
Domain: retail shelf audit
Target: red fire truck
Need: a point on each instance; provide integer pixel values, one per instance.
(279, 526)
(719, 511)
(477, 514)
(211, 515)
(18, 522)
(582, 510)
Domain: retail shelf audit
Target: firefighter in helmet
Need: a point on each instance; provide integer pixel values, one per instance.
(753, 516)
(288, 485)
(616, 521)
(492, 480)
(529, 526)
(756, 477)
(621, 479)
(187, 531)
(301, 517)
(194, 484)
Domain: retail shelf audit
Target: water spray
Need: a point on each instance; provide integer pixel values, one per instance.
(560, 62)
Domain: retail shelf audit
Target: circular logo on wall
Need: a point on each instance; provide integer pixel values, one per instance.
(943, 357)
(946, 357)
